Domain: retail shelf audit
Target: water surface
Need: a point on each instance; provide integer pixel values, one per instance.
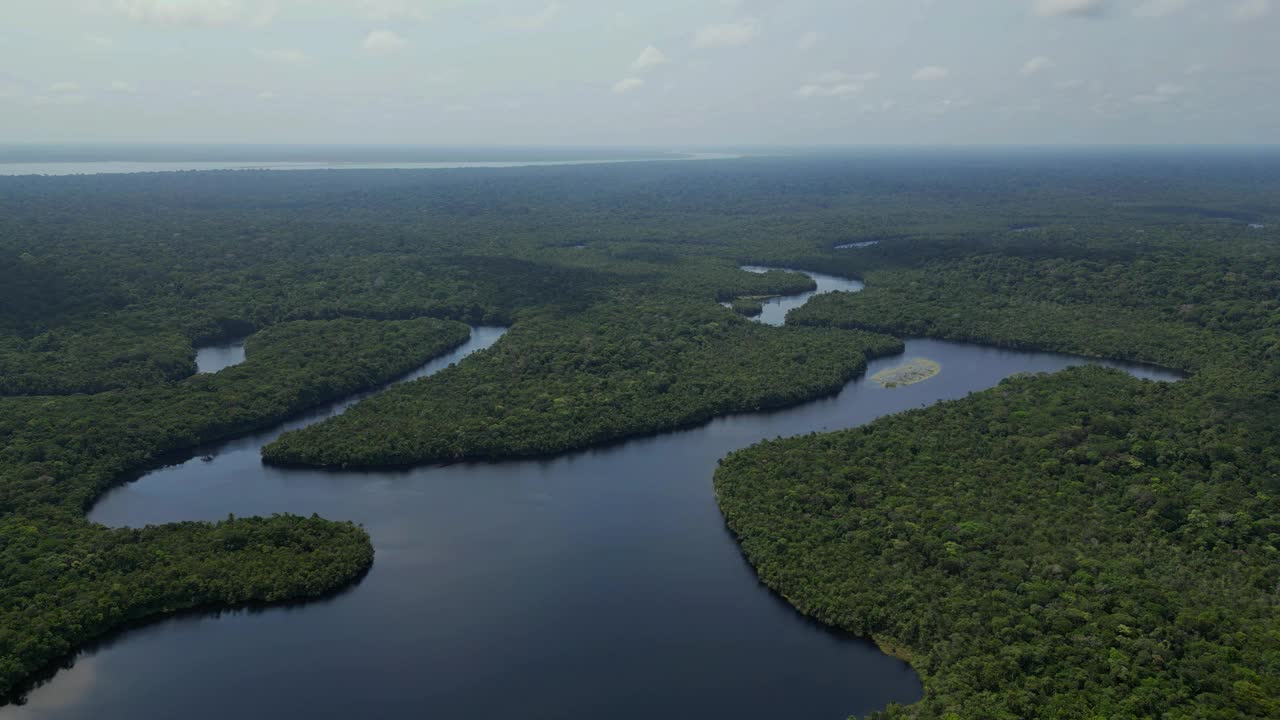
(212, 358)
(776, 309)
(602, 583)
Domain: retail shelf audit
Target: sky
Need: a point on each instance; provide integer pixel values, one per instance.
(640, 72)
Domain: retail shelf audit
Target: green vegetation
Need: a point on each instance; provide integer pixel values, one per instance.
(67, 581)
(1072, 546)
(1009, 320)
(107, 282)
(914, 371)
(748, 306)
(150, 342)
(558, 383)
(74, 582)
(1079, 545)
(1082, 545)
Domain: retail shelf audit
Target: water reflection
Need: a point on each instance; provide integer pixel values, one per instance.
(212, 358)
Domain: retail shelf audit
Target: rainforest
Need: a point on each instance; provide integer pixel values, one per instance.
(1079, 543)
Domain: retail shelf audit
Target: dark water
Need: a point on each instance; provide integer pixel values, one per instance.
(598, 584)
(776, 309)
(212, 358)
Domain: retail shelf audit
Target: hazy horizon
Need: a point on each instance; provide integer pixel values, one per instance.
(706, 73)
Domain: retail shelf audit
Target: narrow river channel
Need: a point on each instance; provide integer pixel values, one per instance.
(602, 583)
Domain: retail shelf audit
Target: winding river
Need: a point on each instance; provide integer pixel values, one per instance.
(601, 583)
(776, 308)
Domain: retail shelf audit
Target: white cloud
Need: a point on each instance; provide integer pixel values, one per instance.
(100, 42)
(266, 12)
(1160, 8)
(808, 40)
(124, 86)
(1070, 8)
(535, 22)
(836, 84)
(267, 95)
(63, 99)
(626, 85)
(650, 57)
(196, 13)
(60, 93)
(726, 35)
(1247, 10)
(841, 90)
(930, 73)
(383, 42)
(942, 107)
(284, 56)
(1163, 93)
(1036, 65)
(386, 10)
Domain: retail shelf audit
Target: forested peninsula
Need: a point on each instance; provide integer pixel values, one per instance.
(68, 581)
(620, 369)
(1077, 545)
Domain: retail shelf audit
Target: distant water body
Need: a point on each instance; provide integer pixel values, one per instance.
(100, 167)
(212, 358)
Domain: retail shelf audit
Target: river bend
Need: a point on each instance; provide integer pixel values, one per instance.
(600, 583)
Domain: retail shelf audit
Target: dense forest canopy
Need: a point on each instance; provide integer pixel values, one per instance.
(1078, 545)
(559, 383)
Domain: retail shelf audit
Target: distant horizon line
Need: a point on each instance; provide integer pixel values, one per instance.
(666, 147)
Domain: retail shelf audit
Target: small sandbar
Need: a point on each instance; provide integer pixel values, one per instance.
(914, 371)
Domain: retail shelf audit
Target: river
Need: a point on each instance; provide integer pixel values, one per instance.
(601, 583)
(776, 308)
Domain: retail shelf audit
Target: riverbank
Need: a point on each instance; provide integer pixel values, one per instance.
(148, 572)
